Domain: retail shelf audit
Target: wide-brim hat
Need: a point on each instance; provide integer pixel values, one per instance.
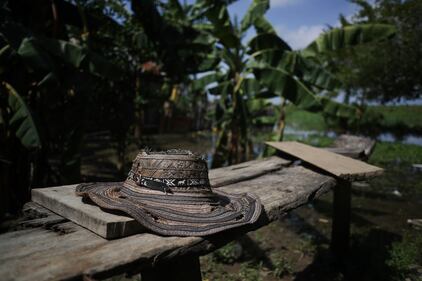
(169, 193)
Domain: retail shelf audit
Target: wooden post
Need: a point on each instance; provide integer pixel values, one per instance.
(341, 219)
(178, 269)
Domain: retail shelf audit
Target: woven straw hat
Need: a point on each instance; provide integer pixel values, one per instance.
(169, 193)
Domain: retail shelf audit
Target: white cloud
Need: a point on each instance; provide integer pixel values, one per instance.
(283, 3)
(300, 37)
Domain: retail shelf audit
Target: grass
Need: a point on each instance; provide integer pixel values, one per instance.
(396, 153)
(406, 257)
(304, 120)
(282, 266)
(228, 254)
(393, 116)
(408, 118)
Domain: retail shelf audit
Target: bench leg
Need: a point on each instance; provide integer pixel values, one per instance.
(341, 219)
(179, 269)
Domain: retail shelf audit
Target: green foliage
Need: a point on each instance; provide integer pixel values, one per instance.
(20, 121)
(302, 77)
(54, 84)
(307, 246)
(181, 46)
(297, 76)
(348, 36)
(227, 254)
(388, 70)
(304, 120)
(282, 266)
(220, 23)
(406, 154)
(255, 11)
(407, 117)
(250, 272)
(404, 255)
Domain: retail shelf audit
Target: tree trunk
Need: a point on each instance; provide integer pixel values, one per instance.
(281, 120)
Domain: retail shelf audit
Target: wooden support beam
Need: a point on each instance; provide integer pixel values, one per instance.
(340, 232)
(180, 269)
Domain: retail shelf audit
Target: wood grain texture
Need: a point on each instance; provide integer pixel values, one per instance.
(63, 201)
(362, 146)
(341, 166)
(244, 171)
(67, 251)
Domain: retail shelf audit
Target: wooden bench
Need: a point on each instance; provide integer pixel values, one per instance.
(46, 246)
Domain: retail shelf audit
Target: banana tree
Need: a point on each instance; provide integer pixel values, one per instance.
(230, 82)
(267, 67)
(47, 83)
(179, 49)
(304, 77)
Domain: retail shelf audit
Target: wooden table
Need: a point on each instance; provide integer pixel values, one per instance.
(46, 246)
(49, 247)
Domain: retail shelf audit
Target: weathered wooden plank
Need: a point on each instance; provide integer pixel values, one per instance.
(417, 167)
(416, 223)
(356, 147)
(244, 171)
(79, 252)
(360, 146)
(181, 269)
(340, 231)
(63, 201)
(335, 164)
(348, 152)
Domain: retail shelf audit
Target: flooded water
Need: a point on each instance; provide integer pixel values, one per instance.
(406, 139)
(384, 137)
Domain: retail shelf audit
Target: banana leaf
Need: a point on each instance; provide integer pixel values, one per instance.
(204, 81)
(264, 41)
(348, 36)
(300, 94)
(263, 26)
(256, 10)
(43, 54)
(222, 89)
(311, 71)
(218, 15)
(21, 120)
(286, 60)
(250, 87)
(319, 76)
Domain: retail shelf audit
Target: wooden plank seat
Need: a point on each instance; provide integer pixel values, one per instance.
(48, 247)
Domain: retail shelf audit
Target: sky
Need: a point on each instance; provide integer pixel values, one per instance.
(299, 22)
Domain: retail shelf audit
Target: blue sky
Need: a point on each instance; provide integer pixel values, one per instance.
(299, 21)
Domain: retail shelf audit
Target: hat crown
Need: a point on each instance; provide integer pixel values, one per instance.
(174, 169)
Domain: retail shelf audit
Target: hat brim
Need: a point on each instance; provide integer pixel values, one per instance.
(176, 214)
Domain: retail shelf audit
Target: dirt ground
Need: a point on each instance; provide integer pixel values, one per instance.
(297, 246)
